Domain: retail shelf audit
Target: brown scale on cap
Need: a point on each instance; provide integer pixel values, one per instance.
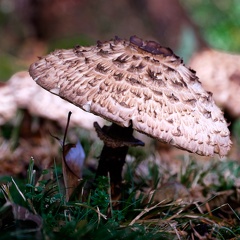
(140, 83)
(151, 46)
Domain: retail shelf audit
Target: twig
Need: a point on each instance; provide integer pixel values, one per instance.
(145, 210)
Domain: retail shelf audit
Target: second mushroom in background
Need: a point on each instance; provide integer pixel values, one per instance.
(219, 73)
(137, 85)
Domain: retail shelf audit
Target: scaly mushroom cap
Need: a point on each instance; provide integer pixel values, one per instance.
(140, 83)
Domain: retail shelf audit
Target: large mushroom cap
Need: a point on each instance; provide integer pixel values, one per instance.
(140, 83)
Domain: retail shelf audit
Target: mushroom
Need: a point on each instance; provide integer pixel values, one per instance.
(136, 85)
(21, 92)
(38, 102)
(8, 106)
(219, 73)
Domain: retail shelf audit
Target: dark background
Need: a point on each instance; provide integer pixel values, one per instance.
(31, 28)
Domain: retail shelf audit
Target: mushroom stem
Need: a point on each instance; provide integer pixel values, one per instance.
(116, 140)
(111, 161)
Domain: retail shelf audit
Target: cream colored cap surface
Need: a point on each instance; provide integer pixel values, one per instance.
(140, 83)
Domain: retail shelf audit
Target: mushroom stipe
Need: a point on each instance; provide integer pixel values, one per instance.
(116, 140)
(141, 85)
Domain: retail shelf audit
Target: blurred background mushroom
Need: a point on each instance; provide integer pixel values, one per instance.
(41, 114)
(38, 102)
(219, 73)
(8, 105)
(137, 85)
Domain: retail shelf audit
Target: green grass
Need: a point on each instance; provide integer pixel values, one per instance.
(92, 214)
